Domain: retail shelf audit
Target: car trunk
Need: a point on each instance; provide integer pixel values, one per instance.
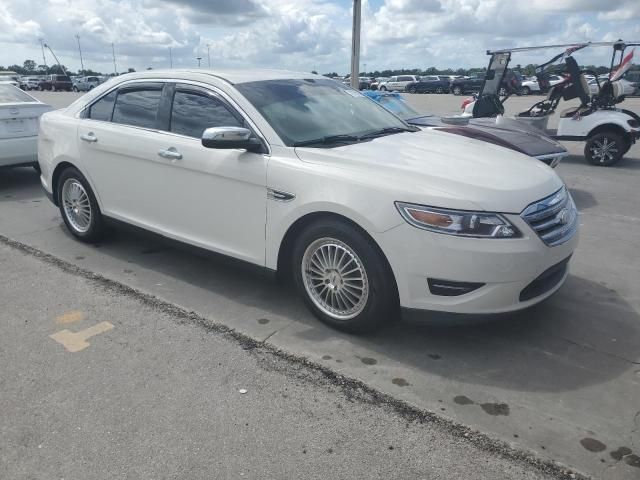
(20, 119)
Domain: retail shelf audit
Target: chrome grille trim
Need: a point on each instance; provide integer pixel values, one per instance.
(554, 218)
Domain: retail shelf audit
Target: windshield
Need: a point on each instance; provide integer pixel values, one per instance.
(303, 110)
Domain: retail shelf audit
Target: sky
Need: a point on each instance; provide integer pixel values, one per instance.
(305, 35)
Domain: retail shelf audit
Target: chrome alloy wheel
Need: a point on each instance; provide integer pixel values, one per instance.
(335, 279)
(604, 150)
(77, 207)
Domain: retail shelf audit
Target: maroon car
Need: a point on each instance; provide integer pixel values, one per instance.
(56, 82)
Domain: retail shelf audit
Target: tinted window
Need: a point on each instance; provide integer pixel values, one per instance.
(137, 107)
(405, 79)
(103, 108)
(192, 113)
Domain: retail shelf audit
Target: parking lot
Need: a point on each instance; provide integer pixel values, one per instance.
(561, 379)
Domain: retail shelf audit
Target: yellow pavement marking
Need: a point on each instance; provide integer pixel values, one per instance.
(70, 317)
(77, 341)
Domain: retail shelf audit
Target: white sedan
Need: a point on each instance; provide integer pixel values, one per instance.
(19, 115)
(299, 174)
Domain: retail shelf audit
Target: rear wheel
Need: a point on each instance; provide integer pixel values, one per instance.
(457, 90)
(439, 90)
(75, 89)
(383, 88)
(605, 148)
(79, 207)
(343, 278)
(526, 90)
(412, 90)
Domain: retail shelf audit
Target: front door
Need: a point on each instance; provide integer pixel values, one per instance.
(214, 198)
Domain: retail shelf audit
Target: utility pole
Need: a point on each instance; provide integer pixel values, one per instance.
(56, 58)
(208, 56)
(170, 58)
(113, 52)
(44, 60)
(80, 50)
(198, 58)
(365, 69)
(355, 44)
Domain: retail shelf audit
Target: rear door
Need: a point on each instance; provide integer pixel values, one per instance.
(118, 142)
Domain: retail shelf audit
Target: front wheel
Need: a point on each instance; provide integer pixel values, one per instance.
(439, 90)
(457, 91)
(605, 149)
(75, 89)
(79, 207)
(343, 278)
(383, 89)
(412, 90)
(526, 90)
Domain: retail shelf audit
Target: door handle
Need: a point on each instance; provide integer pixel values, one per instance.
(170, 153)
(89, 137)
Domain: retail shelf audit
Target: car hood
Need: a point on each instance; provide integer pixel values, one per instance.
(525, 141)
(439, 169)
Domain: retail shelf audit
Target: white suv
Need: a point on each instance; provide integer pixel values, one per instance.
(299, 174)
(398, 83)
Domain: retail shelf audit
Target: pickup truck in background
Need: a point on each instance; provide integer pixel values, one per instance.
(56, 82)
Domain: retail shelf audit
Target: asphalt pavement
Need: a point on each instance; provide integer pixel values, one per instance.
(560, 381)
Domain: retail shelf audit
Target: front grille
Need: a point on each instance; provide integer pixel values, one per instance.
(554, 219)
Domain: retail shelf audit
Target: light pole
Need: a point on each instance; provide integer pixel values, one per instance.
(208, 56)
(365, 69)
(113, 53)
(80, 50)
(56, 58)
(198, 58)
(355, 44)
(44, 60)
(170, 58)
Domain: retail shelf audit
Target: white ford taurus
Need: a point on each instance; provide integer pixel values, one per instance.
(302, 175)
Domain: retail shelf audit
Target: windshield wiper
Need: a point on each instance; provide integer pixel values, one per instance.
(329, 139)
(388, 131)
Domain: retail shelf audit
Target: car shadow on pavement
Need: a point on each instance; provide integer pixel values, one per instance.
(585, 334)
(19, 184)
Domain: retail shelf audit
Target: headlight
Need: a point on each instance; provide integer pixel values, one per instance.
(457, 222)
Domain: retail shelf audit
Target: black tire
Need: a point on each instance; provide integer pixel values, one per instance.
(53, 88)
(75, 89)
(439, 90)
(381, 303)
(40, 88)
(502, 91)
(96, 228)
(613, 142)
(526, 91)
(383, 88)
(457, 90)
(412, 90)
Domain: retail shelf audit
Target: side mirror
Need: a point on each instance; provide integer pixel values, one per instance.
(230, 137)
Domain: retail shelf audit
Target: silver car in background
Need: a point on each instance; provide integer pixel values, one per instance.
(84, 84)
(19, 118)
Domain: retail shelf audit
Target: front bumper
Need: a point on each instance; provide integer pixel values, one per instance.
(505, 267)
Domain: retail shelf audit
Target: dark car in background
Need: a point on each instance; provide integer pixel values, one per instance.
(364, 83)
(430, 84)
(56, 82)
(460, 86)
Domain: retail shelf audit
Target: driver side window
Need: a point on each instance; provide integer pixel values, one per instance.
(193, 112)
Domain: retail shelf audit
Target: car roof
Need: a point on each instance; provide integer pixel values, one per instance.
(230, 76)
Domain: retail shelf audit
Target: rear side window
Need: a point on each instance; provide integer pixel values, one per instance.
(103, 108)
(192, 113)
(137, 107)
(405, 79)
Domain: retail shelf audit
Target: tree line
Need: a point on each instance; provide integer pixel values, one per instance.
(30, 67)
(527, 70)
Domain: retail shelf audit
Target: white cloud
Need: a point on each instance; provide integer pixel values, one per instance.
(302, 34)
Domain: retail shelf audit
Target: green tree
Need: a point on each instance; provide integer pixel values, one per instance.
(29, 66)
